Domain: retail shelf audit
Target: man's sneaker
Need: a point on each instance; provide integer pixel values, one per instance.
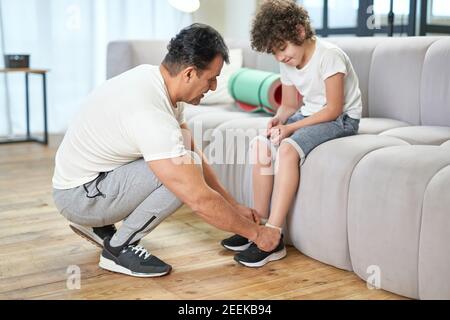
(93, 234)
(254, 257)
(132, 260)
(236, 243)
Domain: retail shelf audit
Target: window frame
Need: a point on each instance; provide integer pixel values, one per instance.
(361, 26)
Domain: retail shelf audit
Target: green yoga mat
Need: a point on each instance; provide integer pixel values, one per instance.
(256, 90)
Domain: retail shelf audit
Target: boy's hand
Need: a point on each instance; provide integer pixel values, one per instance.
(275, 121)
(278, 133)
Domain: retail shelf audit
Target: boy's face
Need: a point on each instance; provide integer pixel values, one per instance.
(290, 54)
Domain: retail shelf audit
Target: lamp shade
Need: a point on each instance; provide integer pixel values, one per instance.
(185, 5)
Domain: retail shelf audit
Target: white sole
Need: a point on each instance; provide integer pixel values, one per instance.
(87, 234)
(238, 249)
(110, 265)
(273, 257)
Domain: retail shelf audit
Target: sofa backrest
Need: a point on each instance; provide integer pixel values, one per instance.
(124, 55)
(406, 79)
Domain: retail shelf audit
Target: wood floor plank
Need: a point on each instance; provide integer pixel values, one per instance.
(38, 247)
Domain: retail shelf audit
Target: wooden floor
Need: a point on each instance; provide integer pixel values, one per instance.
(37, 248)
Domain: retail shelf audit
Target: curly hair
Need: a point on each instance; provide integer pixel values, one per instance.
(196, 45)
(276, 22)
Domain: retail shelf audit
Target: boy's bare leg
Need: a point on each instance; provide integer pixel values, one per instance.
(263, 171)
(287, 177)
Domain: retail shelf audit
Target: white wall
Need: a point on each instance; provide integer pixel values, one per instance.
(232, 18)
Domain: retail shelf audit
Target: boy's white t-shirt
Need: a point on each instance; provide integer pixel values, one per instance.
(127, 117)
(327, 60)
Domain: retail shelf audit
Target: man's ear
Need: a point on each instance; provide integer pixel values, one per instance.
(188, 73)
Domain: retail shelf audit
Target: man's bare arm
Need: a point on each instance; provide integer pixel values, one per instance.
(186, 181)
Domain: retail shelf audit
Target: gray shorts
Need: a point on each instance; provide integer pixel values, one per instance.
(305, 139)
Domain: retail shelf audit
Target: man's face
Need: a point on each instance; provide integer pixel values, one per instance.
(202, 82)
(290, 54)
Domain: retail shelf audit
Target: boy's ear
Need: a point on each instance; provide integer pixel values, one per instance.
(301, 31)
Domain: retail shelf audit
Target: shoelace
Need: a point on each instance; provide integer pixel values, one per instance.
(140, 251)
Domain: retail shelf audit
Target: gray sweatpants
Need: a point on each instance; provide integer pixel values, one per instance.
(131, 193)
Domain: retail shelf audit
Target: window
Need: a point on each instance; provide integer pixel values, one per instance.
(439, 13)
(356, 17)
(69, 37)
(435, 17)
(343, 14)
(440, 8)
(315, 10)
(381, 9)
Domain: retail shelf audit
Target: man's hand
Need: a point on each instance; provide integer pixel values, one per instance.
(279, 132)
(267, 239)
(248, 213)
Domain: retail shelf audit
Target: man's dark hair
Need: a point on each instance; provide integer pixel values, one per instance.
(276, 22)
(196, 45)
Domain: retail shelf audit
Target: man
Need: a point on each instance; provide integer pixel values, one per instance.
(125, 158)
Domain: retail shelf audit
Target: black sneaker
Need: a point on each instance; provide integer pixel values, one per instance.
(132, 260)
(254, 257)
(93, 234)
(236, 243)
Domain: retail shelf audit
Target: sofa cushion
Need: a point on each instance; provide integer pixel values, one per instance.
(446, 144)
(378, 125)
(395, 78)
(421, 134)
(192, 111)
(360, 53)
(317, 222)
(434, 255)
(435, 87)
(203, 124)
(385, 213)
(228, 154)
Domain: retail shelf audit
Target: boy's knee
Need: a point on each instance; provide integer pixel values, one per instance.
(261, 152)
(287, 152)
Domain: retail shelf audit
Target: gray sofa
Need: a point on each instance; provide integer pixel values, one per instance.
(380, 199)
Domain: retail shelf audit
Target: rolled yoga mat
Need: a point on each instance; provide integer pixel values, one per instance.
(256, 90)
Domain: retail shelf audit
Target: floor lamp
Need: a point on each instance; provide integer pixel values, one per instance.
(391, 19)
(6, 87)
(186, 6)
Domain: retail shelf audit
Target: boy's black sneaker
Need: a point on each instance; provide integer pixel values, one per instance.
(93, 234)
(254, 257)
(132, 260)
(236, 243)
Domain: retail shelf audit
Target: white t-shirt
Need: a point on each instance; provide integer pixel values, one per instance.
(327, 60)
(127, 117)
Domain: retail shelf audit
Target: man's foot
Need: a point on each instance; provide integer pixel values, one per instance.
(93, 234)
(132, 260)
(236, 243)
(254, 257)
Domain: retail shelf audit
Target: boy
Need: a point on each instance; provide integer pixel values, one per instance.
(330, 108)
